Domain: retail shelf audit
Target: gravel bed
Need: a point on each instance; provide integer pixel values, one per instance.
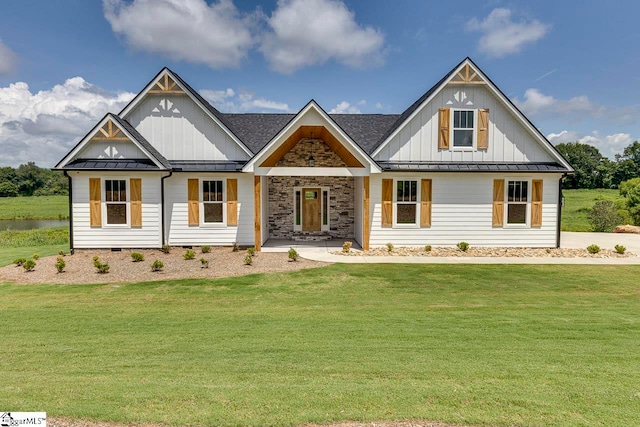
(438, 251)
(223, 262)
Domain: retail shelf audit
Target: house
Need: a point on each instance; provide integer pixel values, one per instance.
(462, 163)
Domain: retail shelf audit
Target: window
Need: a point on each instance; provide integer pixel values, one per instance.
(325, 207)
(406, 202)
(116, 201)
(517, 198)
(213, 201)
(463, 128)
(298, 208)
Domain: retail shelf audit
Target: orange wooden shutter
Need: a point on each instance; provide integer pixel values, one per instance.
(387, 202)
(135, 186)
(443, 125)
(194, 202)
(95, 208)
(425, 203)
(483, 129)
(232, 202)
(536, 203)
(498, 202)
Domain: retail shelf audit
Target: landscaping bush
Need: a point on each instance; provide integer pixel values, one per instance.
(620, 249)
(36, 256)
(165, 249)
(29, 265)
(593, 249)
(463, 246)
(19, 261)
(427, 248)
(248, 260)
(604, 216)
(60, 264)
(61, 252)
(189, 255)
(293, 254)
(346, 247)
(251, 251)
(390, 247)
(157, 265)
(205, 249)
(235, 247)
(137, 257)
(102, 268)
(204, 263)
(630, 189)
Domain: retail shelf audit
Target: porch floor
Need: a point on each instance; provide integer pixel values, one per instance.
(283, 245)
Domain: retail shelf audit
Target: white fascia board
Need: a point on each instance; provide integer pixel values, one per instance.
(310, 171)
(142, 94)
(268, 149)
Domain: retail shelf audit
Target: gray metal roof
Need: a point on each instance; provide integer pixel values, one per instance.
(471, 167)
(206, 166)
(112, 164)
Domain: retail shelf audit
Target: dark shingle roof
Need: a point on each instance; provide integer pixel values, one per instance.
(112, 164)
(471, 167)
(365, 129)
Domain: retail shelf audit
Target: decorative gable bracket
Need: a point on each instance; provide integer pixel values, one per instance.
(467, 76)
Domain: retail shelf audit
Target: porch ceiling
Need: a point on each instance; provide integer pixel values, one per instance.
(311, 132)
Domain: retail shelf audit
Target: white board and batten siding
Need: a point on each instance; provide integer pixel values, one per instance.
(462, 206)
(180, 233)
(180, 130)
(509, 140)
(147, 236)
(100, 149)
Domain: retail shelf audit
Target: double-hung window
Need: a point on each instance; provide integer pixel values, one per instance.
(213, 201)
(116, 201)
(406, 202)
(463, 128)
(517, 200)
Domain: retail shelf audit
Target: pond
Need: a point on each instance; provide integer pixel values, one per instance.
(30, 224)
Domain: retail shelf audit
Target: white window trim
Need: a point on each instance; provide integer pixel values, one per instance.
(474, 145)
(527, 223)
(202, 202)
(395, 202)
(103, 204)
(323, 227)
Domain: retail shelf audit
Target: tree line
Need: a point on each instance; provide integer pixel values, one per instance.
(593, 170)
(31, 180)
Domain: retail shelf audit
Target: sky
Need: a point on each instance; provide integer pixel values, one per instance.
(571, 66)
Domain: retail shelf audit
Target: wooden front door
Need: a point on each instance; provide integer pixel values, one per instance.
(311, 209)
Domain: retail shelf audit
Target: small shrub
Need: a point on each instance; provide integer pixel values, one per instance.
(103, 268)
(463, 246)
(189, 254)
(36, 256)
(548, 250)
(205, 249)
(248, 260)
(95, 258)
(60, 264)
(390, 247)
(29, 265)
(19, 261)
(157, 265)
(137, 257)
(604, 216)
(427, 248)
(235, 247)
(61, 252)
(593, 249)
(251, 251)
(346, 247)
(620, 249)
(165, 249)
(293, 254)
(204, 263)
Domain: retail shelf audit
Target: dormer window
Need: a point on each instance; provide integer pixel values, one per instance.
(463, 128)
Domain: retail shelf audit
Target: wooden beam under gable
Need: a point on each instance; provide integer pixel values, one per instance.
(166, 86)
(110, 132)
(467, 76)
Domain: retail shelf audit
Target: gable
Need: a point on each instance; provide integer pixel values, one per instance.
(180, 124)
(110, 143)
(499, 134)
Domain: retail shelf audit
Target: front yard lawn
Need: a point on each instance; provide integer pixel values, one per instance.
(464, 344)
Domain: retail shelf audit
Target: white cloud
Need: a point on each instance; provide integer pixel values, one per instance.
(8, 59)
(609, 145)
(502, 36)
(227, 101)
(192, 30)
(344, 108)
(309, 32)
(43, 126)
(536, 103)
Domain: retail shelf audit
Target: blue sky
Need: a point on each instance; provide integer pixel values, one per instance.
(572, 67)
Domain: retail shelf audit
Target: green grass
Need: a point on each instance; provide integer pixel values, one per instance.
(578, 203)
(24, 243)
(42, 207)
(478, 345)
